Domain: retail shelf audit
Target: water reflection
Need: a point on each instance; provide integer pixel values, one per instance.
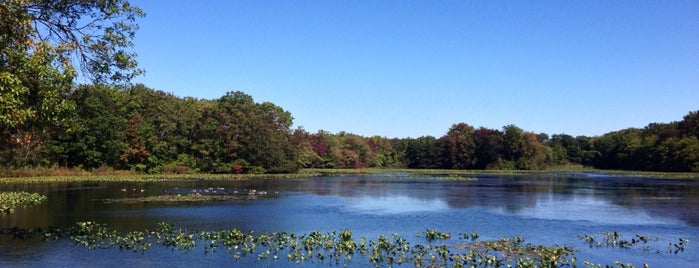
(394, 204)
(544, 209)
(584, 197)
(584, 208)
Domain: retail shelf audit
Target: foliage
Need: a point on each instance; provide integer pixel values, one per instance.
(39, 42)
(615, 239)
(143, 130)
(96, 33)
(657, 147)
(10, 200)
(331, 248)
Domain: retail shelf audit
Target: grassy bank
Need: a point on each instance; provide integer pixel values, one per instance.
(555, 170)
(152, 177)
(121, 176)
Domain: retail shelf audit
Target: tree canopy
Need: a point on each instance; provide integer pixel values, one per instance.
(41, 43)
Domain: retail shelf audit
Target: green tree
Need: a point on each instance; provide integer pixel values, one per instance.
(33, 103)
(679, 154)
(98, 137)
(488, 147)
(619, 149)
(384, 151)
(38, 42)
(690, 124)
(566, 149)
(306, 156)
(423, 152)
(256, 135)
(97, 33)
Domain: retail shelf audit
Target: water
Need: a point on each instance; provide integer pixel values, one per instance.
(548, 210)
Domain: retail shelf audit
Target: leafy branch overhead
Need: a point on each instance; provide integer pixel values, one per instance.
(97, 34)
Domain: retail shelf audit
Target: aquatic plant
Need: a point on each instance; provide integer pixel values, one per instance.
(616, 240)
(172, 198)
(153, 178)
(435, 235)
(333, 247)
(340, 248)
(10, 200)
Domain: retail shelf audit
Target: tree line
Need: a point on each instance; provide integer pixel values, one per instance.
(146, 130)
(672, 147)
(47, 120)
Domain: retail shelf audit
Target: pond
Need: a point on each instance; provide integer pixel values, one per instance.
(552, 209)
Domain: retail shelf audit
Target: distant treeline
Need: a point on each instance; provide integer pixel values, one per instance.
(151, 131)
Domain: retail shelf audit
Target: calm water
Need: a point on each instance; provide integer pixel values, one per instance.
(552, 209)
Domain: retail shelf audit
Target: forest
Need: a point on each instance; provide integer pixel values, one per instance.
(48, 120)
(146, 130)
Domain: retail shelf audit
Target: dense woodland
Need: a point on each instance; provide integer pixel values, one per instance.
(152, 131)
(48, 120)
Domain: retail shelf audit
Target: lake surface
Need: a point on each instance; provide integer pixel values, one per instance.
(542, 209)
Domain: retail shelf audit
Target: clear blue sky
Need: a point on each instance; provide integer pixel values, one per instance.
(414, 68)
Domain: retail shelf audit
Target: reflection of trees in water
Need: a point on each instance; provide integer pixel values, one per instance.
(676, 199)
(658, 197)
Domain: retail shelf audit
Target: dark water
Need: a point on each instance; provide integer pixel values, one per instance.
(552, 209)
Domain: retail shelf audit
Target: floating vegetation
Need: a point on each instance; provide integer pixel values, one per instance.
(435, 235)
(455, 177)
(178, 198)
(332, 248)
(10, 200)
(195, 196)
(615, 239)
(514, 250)
(155, 178)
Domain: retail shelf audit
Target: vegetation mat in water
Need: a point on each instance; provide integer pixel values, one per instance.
(10, 200)
(332, 247)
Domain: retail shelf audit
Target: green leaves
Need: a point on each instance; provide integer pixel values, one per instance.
(341, 247)
(10, 200)
(41, 43)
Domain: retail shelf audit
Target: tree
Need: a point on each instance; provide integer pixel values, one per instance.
(690, 124)
(306, 156)
(423, 152)
(460, 146)
(98, 137)
(33, 102)
(680, 154)
(566, 149)
(522, 150)
(512, 140)
(38, 42)
(618, 149)
(97, 33)
(488, 146)
(256, 135)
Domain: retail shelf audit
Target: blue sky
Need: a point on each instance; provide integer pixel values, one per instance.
(414, 68)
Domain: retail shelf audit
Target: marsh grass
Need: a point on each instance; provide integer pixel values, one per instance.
(64, 172)
(151, 178)
(472, 173)
(109, 175)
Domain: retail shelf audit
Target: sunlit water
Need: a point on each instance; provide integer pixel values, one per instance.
(547, 210)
